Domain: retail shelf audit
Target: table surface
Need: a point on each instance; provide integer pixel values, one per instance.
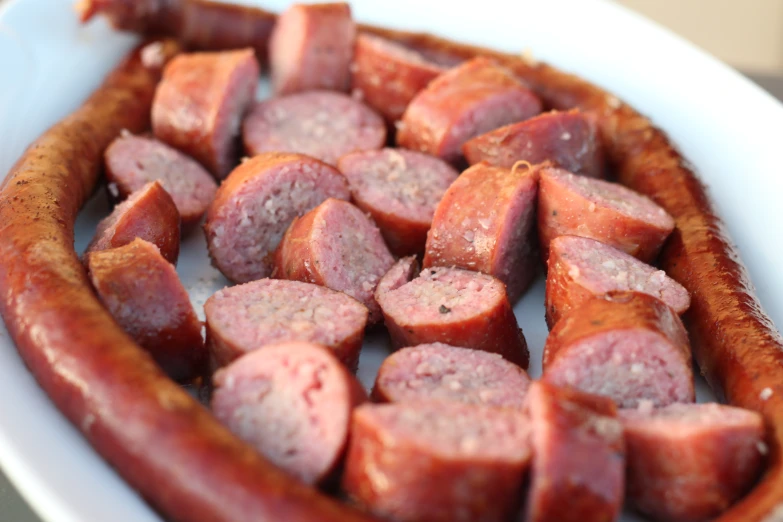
(14, 508)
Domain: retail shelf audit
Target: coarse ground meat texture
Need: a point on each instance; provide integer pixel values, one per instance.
(323, 124)
(255, 205)
(456, 307)
(403, 271)
(439, 372)
(293, 403)
(400, 189)
(247, 317)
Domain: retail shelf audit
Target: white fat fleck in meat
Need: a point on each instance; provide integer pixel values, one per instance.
(113, 190)
(152, 55)
(566, 136)
(765, 394)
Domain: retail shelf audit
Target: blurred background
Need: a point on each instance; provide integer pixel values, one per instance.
(746, 34)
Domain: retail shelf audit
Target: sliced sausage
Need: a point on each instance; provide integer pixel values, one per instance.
(403, 271)
(628, 346)
(133, 161)
(485, 222)
(440, 372)
(400, 189)
(321, 124)
(690, 462)
(149, 214)
(580, 268)
(335, 245)
(462, 103)
(430, 462)
(577, 473)
(387, 75)
(200, 103)
(615, 215)
(311, 47)
(143, 293)
(568, 139)
(293, 403)
(256, 203)
(456, 307)
(247, 317)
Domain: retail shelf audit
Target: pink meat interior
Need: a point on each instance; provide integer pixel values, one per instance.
(612, 195)
(288, 401)
(105, 228)
(678, 420)
(600, 269)
(268, 311)
(350, 250)
(400, 273)
(398, 181)
(444, 295)
(627, 365)
(250, 227)
(453, 430)
(438, 371)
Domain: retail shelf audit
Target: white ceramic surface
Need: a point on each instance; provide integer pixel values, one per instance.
(728, 127)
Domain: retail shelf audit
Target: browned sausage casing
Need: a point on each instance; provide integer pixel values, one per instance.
(160, 440)
(737, 346)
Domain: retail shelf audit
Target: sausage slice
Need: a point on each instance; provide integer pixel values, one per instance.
(247, 317)
(577, 473)
(387, 75)
(293, 403)
(321, 124)
(149, 214)
(400, 189)
(133, 161)
(579, 269)
(608, 212)
(456, 307)
(403, 271)
(628, 346)
(440, 372)
(568, 139)
(200, 102)
(437, 462)
(311, 47)
(143, 293)
(485, 222)
(462, 103)
(256, 203)
(690, 462)
(335, 245)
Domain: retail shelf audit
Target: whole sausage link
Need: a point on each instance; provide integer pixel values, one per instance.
(159, 439)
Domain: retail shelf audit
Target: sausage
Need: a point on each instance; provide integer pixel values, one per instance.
(149, 214)
(293, 403)
(578, 465)
(457, 307)
(568, 139)
(400, 189)
(200, 102)
(462, 103)
(403, 271)
(132, 161)
(690, 462)
(255, 205)
(335, 245)
(735, 343)
(311, 47)
(321, 124)
(437, 462)
(440, 372)
(628, 346)
(580, 268)
(486, 222)
(386, 76)
(613, 214)
(197, 24)
(247, 317)
(104, 383)
(143, 293)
